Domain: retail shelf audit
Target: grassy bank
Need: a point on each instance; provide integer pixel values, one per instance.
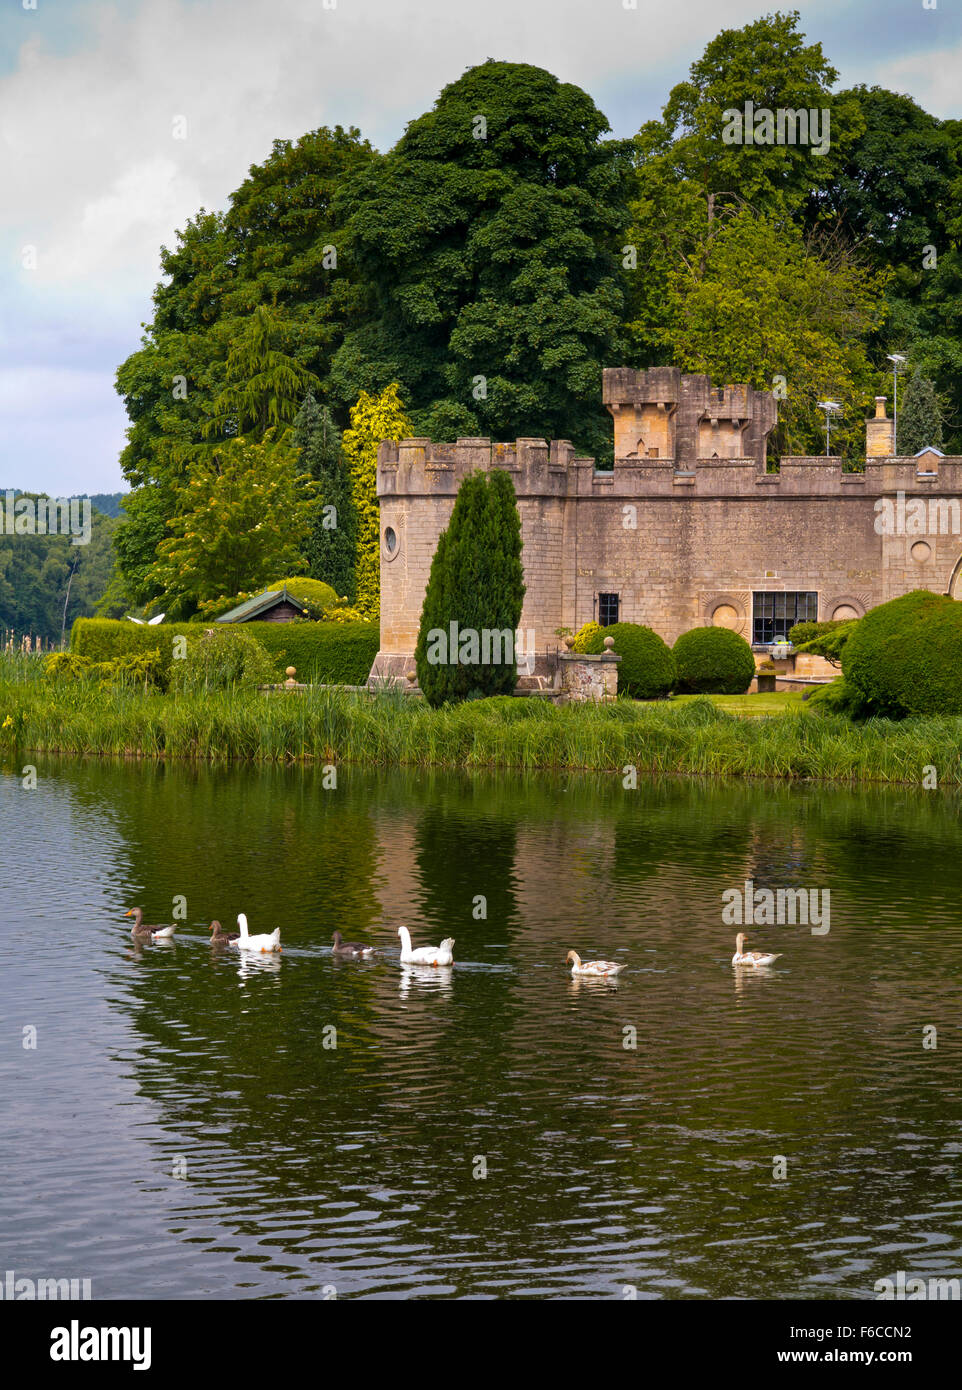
(694, 737)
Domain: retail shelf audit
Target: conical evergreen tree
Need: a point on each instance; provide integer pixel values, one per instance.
(331, 548)
(476, 582)
(920, 416)
(507, 573)
(434, 679)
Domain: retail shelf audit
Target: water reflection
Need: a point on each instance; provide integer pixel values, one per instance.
(303, 1165)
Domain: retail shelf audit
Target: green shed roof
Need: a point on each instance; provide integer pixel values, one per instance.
(261, 603)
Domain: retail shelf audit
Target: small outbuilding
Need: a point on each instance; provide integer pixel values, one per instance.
(272, 606)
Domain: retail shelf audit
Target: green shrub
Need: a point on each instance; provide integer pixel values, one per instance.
(67, 666)
(713, 661)
(905, 657)
(647, 668)
(807, 632)
(223, 658)
(823, 639)
(837, 697)
(323, 653)
(584, 635)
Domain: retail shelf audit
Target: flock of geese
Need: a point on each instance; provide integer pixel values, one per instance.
(269, 942)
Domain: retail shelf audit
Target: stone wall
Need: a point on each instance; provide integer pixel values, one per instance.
(682, 538)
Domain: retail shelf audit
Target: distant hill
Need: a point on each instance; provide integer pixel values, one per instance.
(107, 503)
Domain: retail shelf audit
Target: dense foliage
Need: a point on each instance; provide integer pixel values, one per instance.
(904, 657)
(475, 279)
(477, 582)
(647, 668)
(47, 581)
(713, 661)
(325, 653)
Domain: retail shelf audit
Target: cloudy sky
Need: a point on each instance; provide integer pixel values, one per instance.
(94, 181)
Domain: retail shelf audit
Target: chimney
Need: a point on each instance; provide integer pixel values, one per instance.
(879, 433)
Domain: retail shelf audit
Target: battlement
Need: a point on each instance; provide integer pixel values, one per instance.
(681, 418)
(420, 468)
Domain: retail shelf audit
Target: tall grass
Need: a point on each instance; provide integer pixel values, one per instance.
(329, 725)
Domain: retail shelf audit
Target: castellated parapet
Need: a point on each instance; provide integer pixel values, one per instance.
(687, 529)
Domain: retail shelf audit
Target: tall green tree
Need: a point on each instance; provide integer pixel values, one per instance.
(242, 519)
(767, 309)
(690, 180)
(920, 415)
(278, 245)
(331, 547)
(487, 241)
(476, 583)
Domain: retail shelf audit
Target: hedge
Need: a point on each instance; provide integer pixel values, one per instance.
(905, 657)
(713, 661)
(323, 653)
(647, 667)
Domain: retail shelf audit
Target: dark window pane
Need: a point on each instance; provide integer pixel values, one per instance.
(607, 609)
(775, 614)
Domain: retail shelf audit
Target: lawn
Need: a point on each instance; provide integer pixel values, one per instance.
(752, 706)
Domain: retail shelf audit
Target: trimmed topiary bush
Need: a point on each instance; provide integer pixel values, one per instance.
(316, 596)
(823, 639)
(647, 668)
(713, 661)
(905, 657)
(323, 653)
(477, 582)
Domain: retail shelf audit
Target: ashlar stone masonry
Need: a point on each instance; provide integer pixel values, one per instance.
(687, 529)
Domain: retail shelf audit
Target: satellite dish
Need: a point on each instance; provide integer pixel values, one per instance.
(135, 620)
(159, 619)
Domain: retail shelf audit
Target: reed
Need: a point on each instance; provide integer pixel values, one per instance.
(330, 725)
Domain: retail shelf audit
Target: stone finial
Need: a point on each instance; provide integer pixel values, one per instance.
(291, 674)
(609, 644)
(411, 676)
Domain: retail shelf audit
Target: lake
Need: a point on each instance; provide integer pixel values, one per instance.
(185, 1126)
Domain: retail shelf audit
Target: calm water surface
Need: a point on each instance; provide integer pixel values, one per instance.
(181, 1129)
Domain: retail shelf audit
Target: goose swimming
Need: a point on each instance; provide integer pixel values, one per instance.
(265, 942)
(743, 957)
(592, 967)
(425, 955)
(219, 937)
(352, 949)
(143, 933)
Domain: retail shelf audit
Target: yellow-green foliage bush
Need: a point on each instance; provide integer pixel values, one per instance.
(585, 635)
(373, 418)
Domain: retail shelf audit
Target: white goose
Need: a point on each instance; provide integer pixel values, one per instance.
(425, 955)
(593, 967)
(743, 957)
(265, 942)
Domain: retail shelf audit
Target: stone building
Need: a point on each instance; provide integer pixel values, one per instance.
(687, 529)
